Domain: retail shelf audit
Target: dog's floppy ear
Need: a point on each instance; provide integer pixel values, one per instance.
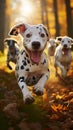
(47, 33)
(59, 38)
(14, 41)
(71, 40)
(6, 40)
(20, 28)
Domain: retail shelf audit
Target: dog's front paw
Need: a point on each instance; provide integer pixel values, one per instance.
(38, 92)
(28, 99)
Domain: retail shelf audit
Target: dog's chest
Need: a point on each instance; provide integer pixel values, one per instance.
(52, 50)
(32, 72)
(65, 59)
(33, 78)
(29, 66)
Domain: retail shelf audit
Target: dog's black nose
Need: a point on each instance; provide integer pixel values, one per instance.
(65, 45)
(35, 45)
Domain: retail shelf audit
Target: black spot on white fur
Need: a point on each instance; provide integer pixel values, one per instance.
(24, 63)
(27, 55)
(44, 61)
(27, 69)
(22, 86)
(22, 52)
(21, 79)
(22, 67)
(28, 61)
(17, 68)
(25, 58)
(37, 27)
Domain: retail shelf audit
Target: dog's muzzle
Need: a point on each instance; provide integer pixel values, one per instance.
(65, 45)
(36, 45)
(65, 49)
(35, 52)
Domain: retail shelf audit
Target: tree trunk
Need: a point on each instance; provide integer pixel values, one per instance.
(56, 18)
(2, 23)
(44, 13)
(69, 19)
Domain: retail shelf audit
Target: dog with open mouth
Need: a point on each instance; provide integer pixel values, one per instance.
(63, 56)
(32, 63)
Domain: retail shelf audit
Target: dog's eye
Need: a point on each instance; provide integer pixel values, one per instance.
(28, 35)
(42, 35)
(62, 41)
(68, 41)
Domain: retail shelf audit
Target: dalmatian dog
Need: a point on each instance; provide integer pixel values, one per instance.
(32, 63)
(63, 56)
(51, 48)
(13, 51)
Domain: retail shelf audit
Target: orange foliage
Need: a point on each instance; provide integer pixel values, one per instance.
(54, 116)
(58, 108)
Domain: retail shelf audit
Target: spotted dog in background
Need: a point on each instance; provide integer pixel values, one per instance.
(63, 56)
(32, 63)
(13, 51)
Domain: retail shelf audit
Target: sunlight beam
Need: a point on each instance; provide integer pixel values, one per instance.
(26, 8)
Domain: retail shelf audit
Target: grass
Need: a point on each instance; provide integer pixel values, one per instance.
(34, 113)
(3, 121)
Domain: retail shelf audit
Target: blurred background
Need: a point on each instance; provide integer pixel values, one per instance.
(56, 15)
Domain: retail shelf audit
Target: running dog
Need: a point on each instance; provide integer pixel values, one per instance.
(32, 62)
(13, 51)
(63, 56)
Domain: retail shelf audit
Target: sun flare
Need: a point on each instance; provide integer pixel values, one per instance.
(26, 8)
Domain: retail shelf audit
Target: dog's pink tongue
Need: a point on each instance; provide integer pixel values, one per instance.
(35, 56)
(65, 51)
